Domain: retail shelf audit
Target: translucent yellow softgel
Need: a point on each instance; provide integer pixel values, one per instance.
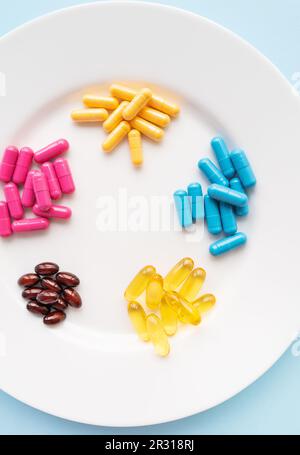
(116, 136)
(108, 102)
(154, 291)
(137, 103)
(205, 302)
(178, 274)
(147, 129)
(168, 318)
(193, 284)
(136, 147)
(137, 316)
(89, 115)
(137, 286)
(157, 335)
(186, 312)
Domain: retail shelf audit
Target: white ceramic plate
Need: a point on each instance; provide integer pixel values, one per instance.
(92, 368)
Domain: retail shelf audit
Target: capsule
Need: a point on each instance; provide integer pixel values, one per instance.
(139, 283)
(51, 151)
(72, 297)
(54, 317)
(205, 302)
(64, 175)
(36, 308)
(155, 116)
(46, 268)
(213, 174)
(116, 136)
(106, 102)
(53, 183)
(235, 184)
(28, 280)
(228, 218)
(223, 156)
(89, 115)
(23, 165)
(13, 200)
(28, 196)
(61, 304)
(30, 224)
(31, 293)
(50, 284)
(136, 147)
(154, 291)
(157, 335)
(55, 211)
(185, 311)
(47, 297)
(5, 225)
(67, 279)
(183, 208)
(137, 317)
(243, 168)
(193, 284)
(137, 103)
(212, 215)
(148, 129)
(41, 191)
(224, 194)
(8, 163)
(178, 274)
(169, 318)
(115, 117)
(228, 243)
(197, 202)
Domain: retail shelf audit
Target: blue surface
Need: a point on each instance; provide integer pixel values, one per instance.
(271, 405)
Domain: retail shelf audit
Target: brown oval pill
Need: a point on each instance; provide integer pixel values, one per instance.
(29, 279)
(72, 297)
(31, 293)
(46, 268)
(54, 317)
(47, 297)
(34, 307)
(49, 283)
(61, 304)
(67, 279)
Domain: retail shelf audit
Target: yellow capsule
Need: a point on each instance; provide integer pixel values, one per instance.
(136, 147)
(137, 103)
(157, 335)
(115, 117)
(89, 115)
(154, 116)
(193, 284)
(139, 283)
(148, 129)
(178, 274)
(168, 318)
(185, 310)
(116, 136)
(154, 291)
(122, 92)
(108, 102)
(138, 316)
(205, 302)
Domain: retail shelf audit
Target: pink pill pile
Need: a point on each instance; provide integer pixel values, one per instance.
(40, 186)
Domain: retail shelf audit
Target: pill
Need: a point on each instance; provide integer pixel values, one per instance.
(228, 243)
(29, 279)
(13, 200)
(106, 102)
(67, 279)
(225, 194)
(115, 117)
(183, 208)
(169, 318)
(139, 283)
(89, 115)
(243, 168)
(228, 218)
(5, 224)
(193, 284)
(41, 191)
(36, 308)
(212, 215)
(116, 136)
(155, 116)
(185, 310)
(157, 335)
(154, 291)
(205, 302)
(50, 284)
(8, 163)
(54, 317)
(23, 165)
(55, 211)
(148, 129)
(212, 173)
(64, 175)
(61, 304)
(52, 180)
(235, 184)
(197, 201)
(47, 297)
(31, 293)
(28, 196)
(178, 274)
(137, 317)
(30, 224)
(72, 297)
(46, 268)
(51, 151)
(223, 156)
(137, 103)
(136, 147)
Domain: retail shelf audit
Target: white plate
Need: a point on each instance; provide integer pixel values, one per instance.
(92, 368)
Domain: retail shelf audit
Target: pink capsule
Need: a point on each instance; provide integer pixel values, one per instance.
(30, 224)
(28, 196)
(23, 165)
(8, 163)
(51, 151)
(64, 175)
(54, 188)
(5, 226)
(41, 190)
(55, 211)
(13, 200)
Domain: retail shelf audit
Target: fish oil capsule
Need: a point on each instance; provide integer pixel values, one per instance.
(223, 156)
(154, 291)
(137, 317)
(212, 173)
(193, 284)
(225, 194)
(197, 202)
(212, 215)
(155, 116)
(137, 103)
(139, 283)
(157, 335)
(41, 191)
(136, 148)
(148, 129)
(228, 243)
(205, 302)
(106, 102)
(115, 117)
(183, 208)
(116, 136)
(235, 184)
(23, 165)
(64, 175)
(5, 225)
(53, 184)
(185, 311)
(89, 115)
(55, 211)
(28, 196)
(30, 224)
(169, 318)
(13, 200)
(51, 151)
(228, 218)
(178, 274)
(243, 168)
(8, 163)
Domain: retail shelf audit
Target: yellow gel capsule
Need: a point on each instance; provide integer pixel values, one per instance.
(185, 311)
(137, 103)
(137, 316)
(90, 115)
(193, 284)
(115, 117)
(148, 129)
(154, 291)
(205, 302)
(116, 136)
(136, 147)
(154, 116)
(108, 102)
(122, 92)
(178, 274)
(139, 283)
(168, 318)
(157, 335)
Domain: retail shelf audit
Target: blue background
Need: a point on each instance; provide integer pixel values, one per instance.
(272, 404)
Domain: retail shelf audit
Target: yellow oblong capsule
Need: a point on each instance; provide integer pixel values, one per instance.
(168, 318)
(137, 103)
(107, 102)
(137, 286)
(157, 335)
(148, 129)
(154, 291)
(122, 92)
(185, 310)
(178, 274)
(193, 284)
(89, 115)
(116, 136)
(138, 317)
(136, 147)
(115, 117)
(205, 302)
(155, 116)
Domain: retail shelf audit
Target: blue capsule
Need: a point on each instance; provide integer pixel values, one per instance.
(228, 243)
(243, 168)
(183, 208)
(212, 215)
(224, 194)
(197, 202)
(228, 218)
(235, 184)
(222, 154)
(211, 171)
